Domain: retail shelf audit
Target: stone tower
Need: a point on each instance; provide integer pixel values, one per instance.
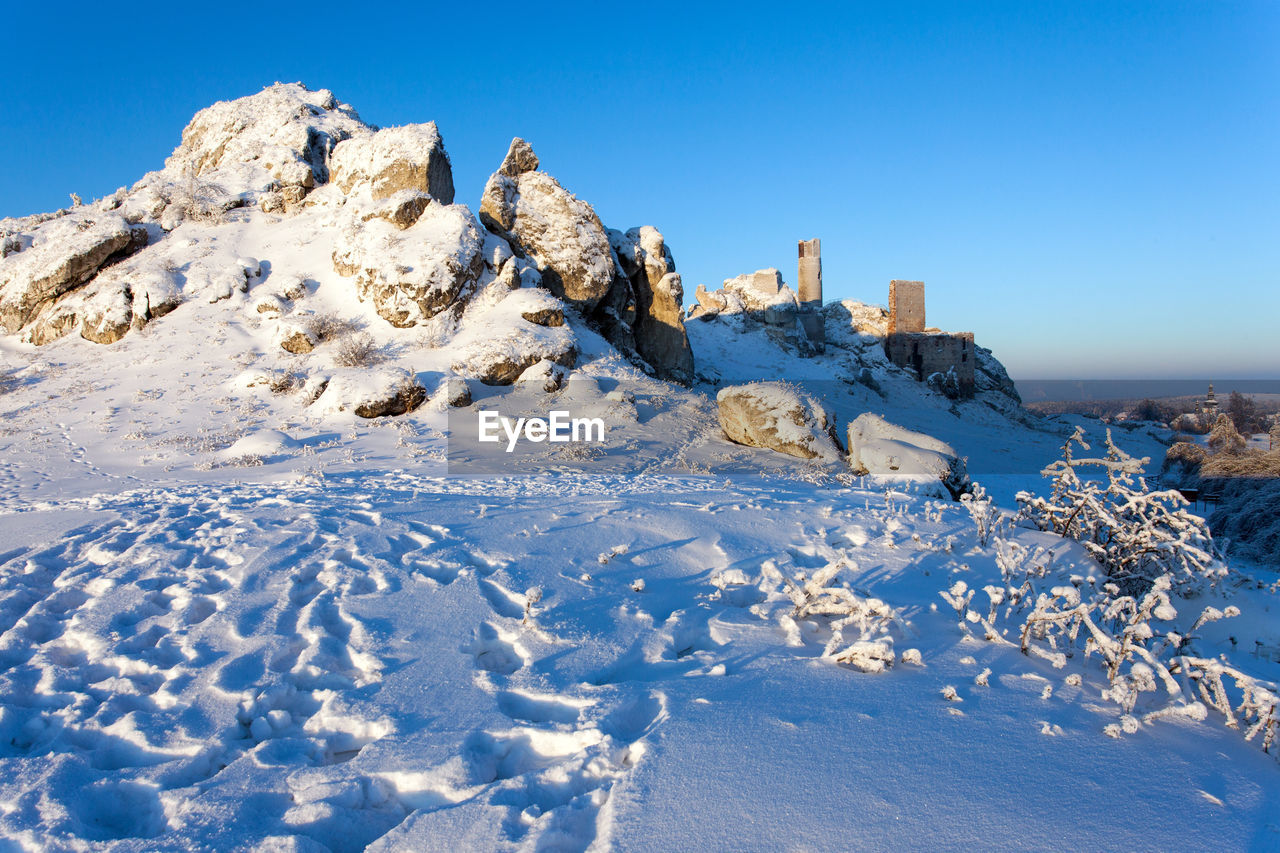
(906, 306)
(947, 360)
(809, 284)
(810, 274)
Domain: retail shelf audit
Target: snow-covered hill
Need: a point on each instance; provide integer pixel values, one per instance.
(257, 592)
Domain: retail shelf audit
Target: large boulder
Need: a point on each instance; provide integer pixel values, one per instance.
(658, 325)
(884, 449)
(63, 254)
(778, 416)
(411, 157)
(279, 139)
(544, 222)
(414, 272)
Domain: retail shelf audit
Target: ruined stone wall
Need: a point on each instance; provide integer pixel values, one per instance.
(906, 306)
(927, 353)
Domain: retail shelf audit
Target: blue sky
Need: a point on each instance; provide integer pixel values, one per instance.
(1092, 188)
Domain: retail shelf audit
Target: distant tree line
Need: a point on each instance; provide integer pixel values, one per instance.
(1247, 414)
(1245, 480)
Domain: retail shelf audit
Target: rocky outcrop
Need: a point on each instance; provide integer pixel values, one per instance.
(410, 273)
(278, 140)
(549, 225)
(885, 449)
(657, 325)
(393, 160)
(108, 315)
(761, 299)
(780, 417)
(63, 254)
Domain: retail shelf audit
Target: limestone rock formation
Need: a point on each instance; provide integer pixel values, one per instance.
(279, 139)
(882, 448)
(761, 299)
(780, 417)
(413, 273)
(401, 209)
(125, 298)
(549, 316)
(658, 325)
(394, 159)
(61, 255)
(549, 225)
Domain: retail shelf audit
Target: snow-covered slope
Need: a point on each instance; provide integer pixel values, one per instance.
(259, 589)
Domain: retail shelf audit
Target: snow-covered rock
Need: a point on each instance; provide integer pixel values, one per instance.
(881, 448)
(496, 344)
(395, 159)
(501, 361)
(278, 139)
(410, 274)
(266, 445)
(540, 308)
(658, 329)
(551, 226)
(372, 394)
(546, 376)
(60, 255)
(778, 417)
(295, 338)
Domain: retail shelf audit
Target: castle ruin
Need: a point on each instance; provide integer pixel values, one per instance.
(795, 319)
(809, 279)
(927, 352)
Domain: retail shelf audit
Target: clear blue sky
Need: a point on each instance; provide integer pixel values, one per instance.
(1092, 188)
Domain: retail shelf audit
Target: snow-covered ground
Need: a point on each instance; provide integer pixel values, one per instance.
(418, 663)
(236, 616)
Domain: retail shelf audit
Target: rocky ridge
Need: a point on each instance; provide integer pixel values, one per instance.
(518, 285)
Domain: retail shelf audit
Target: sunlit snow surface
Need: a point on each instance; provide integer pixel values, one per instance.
(360, 662)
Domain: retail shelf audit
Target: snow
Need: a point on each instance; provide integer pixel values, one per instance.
(356, 663)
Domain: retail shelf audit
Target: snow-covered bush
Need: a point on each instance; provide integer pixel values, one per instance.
(1136, 535)
(193, 198)
(871, 650)
(1248, 517)
(357, 350)
(287, 381)
(1142, 644)
(987, 518)
(329, 327)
